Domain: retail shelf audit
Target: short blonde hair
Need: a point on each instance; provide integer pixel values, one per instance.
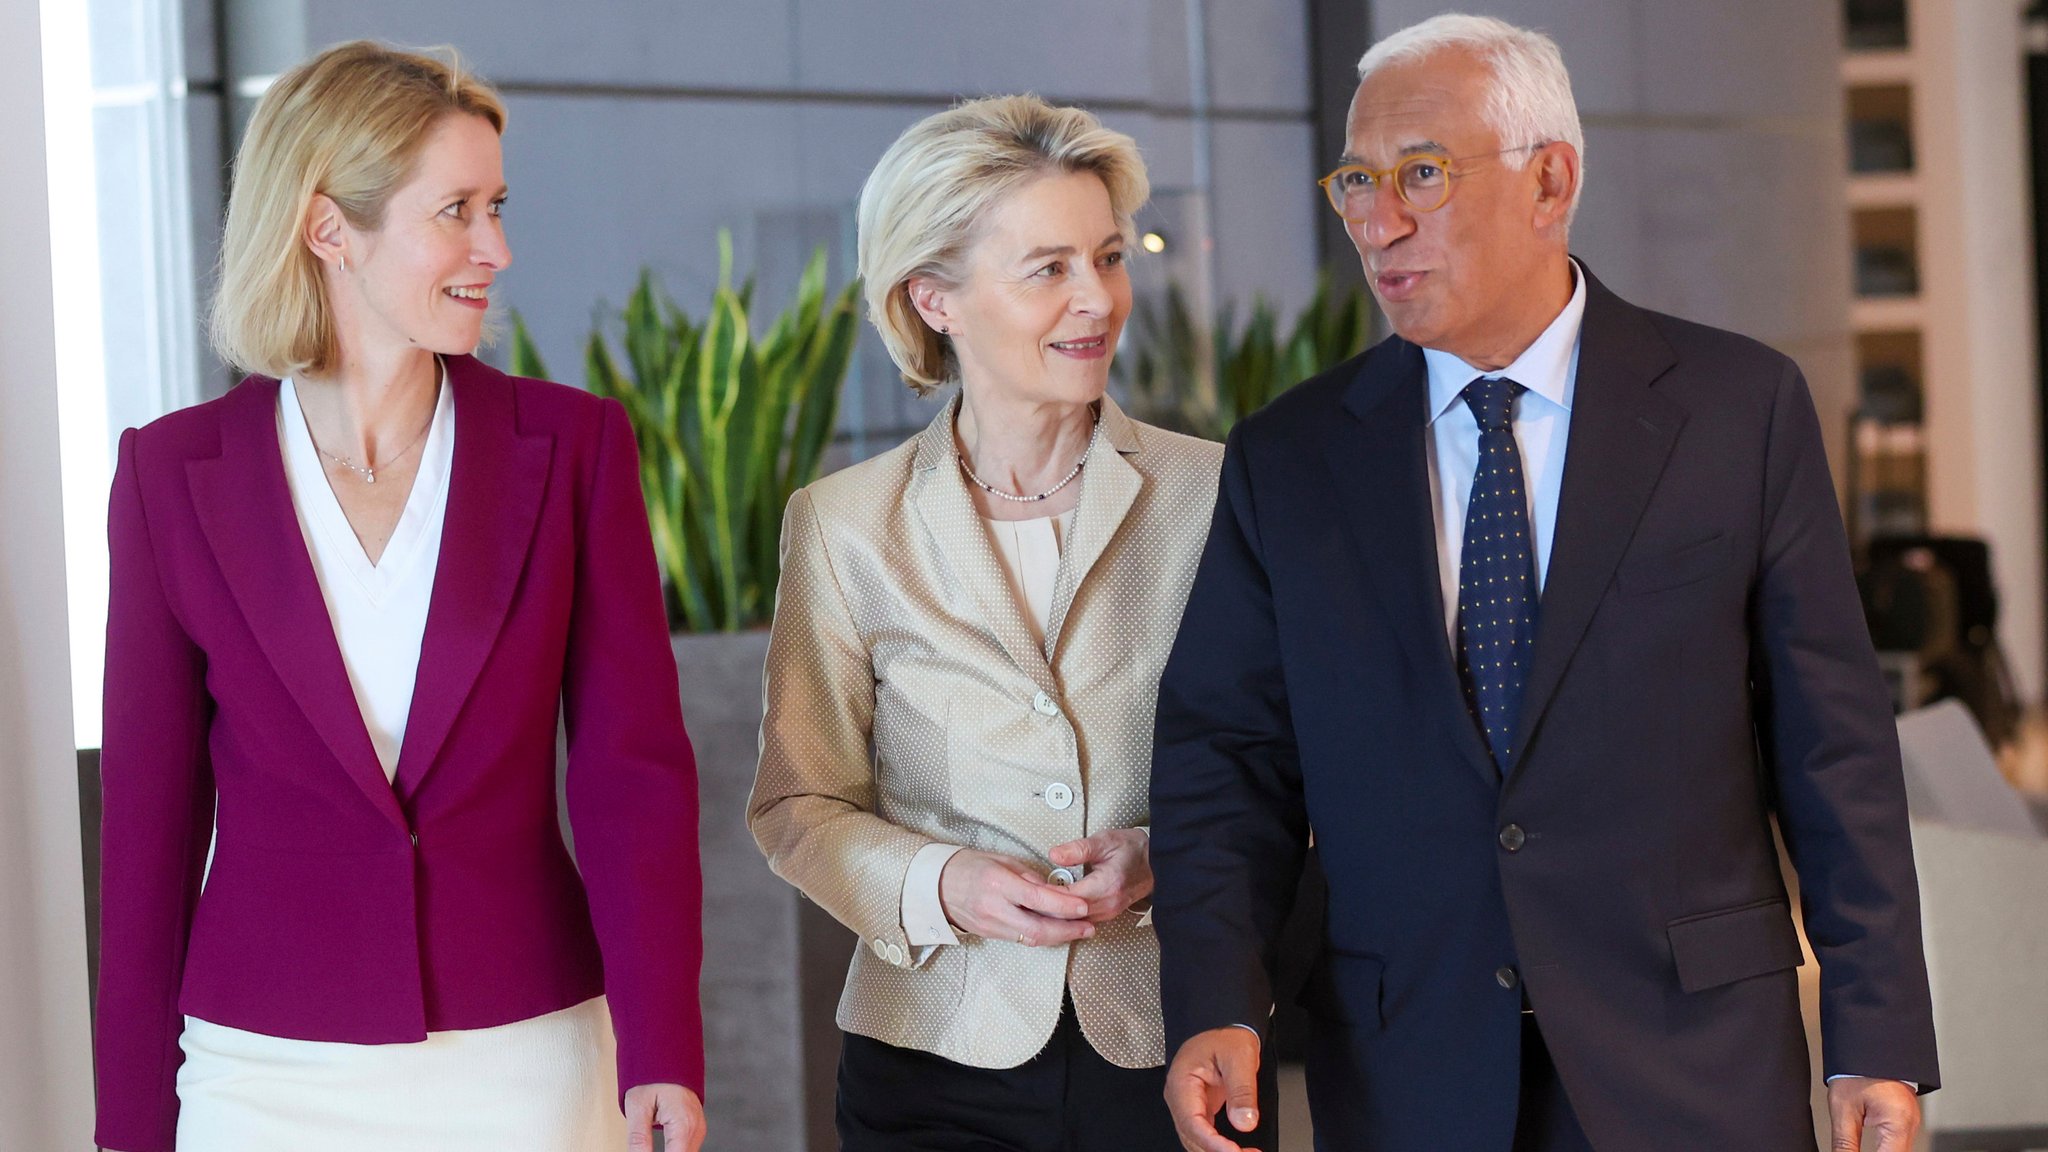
(920, 207)
(349, 123)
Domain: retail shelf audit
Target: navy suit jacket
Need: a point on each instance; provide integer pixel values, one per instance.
(1701, 664)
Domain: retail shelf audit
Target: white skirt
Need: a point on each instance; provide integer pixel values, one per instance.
(548, 1084)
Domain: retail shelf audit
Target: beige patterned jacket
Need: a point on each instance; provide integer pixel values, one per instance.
(907, 705)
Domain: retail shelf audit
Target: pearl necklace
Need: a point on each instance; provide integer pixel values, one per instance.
(1094, 434)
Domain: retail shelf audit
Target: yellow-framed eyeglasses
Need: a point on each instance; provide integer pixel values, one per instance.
(1423, 181)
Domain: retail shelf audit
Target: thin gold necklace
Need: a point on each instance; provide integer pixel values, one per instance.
(369, 474)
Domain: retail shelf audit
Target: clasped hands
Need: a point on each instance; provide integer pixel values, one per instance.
(1003, 898)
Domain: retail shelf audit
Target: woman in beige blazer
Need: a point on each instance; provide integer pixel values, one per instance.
(966, 651)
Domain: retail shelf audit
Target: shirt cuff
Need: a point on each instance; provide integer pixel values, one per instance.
(924, 916)
(1846, 1075)
(1145, 917)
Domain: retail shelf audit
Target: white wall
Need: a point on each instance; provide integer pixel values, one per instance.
(45, 1067)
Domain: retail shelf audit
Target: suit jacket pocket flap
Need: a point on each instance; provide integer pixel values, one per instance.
(1675, 568)
(1722, 947)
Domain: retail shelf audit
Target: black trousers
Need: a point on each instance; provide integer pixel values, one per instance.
(1065, 1099)
(1545, 1122)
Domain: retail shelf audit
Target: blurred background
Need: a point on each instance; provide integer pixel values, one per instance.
(1858, 183)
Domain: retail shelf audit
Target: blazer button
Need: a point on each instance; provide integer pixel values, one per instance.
(1506, 978)
(1512, 838)
(1058, 797)
(895, 954)
(1044, 705)
(882, 948)
(415, 839)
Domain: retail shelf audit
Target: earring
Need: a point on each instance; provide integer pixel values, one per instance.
(945, 331)
(344, 264)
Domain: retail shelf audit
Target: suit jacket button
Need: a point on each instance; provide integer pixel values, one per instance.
(1058, 797)
(882, 948)
(1512, 838)
(1044, 705)
(1506, 978)
(895, 954)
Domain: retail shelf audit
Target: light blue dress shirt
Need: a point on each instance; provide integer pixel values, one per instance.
(1549, 369)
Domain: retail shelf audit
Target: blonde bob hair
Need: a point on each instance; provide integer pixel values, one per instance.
(920, 207)
(349, 123)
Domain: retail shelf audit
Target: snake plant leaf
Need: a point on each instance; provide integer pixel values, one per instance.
(728, 426)
(525, 356)
(831, 353)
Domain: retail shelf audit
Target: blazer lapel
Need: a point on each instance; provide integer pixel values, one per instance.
(1621, 434)
(495, 488)
(1380, 477)
(1109, 486)
(947, 509)
(245, 510)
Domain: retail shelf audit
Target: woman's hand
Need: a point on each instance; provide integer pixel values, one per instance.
(672, 1107)
(998, 898)
(1119, 870)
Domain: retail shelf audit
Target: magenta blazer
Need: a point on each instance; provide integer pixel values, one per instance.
(340, 906)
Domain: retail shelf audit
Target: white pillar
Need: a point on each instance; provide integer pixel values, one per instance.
(1982, 405)
(45, 1064)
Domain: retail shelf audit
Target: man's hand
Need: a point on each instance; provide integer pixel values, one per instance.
(997, 898)
(1214, 1068)
(1119, 870)
(1888, 1108)
(672, 1107)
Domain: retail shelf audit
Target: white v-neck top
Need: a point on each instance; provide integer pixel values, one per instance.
(379, 611)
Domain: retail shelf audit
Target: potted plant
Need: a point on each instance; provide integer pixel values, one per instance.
(729, 423)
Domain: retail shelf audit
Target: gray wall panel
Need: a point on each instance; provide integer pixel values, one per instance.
(1075, 49)
(1608, 232)
(702, 43)
(602, 186)
(1259, 54)
(1740, 239)
(1600, 40)
(1752, 60)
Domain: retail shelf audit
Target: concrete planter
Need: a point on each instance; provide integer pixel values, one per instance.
(773, 962)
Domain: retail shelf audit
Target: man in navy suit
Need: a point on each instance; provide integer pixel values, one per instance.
(1535, 615)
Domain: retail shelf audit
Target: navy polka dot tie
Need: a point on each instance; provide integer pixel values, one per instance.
(1496, 573)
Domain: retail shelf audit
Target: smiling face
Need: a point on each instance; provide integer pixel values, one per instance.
(1045, 295)
(421, 279)
(1472, 276)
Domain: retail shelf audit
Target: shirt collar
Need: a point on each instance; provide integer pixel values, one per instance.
(1549, 367)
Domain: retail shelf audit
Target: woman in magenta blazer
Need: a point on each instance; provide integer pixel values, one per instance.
(349, 600)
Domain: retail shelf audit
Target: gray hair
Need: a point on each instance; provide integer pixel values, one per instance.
(1530, 101)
